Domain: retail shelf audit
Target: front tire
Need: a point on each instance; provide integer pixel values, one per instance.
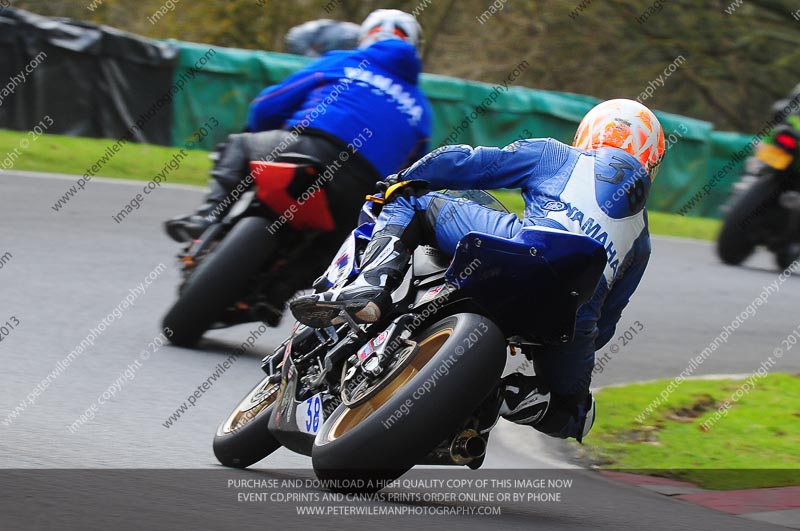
(221, 279)
(736, 240)
(458, 363)
(244, 438)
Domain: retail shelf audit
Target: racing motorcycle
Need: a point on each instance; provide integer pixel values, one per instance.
(764, 207)
(241, 268)
(422, 385)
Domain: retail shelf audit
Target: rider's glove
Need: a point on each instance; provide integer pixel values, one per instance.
(382, 186)
(394, 186)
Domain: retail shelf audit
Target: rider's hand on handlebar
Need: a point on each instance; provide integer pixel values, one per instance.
(394, 186)
(382, 186)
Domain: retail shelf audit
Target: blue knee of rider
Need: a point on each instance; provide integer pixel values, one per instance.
(398, 213)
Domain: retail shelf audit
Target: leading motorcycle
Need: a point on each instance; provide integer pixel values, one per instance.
(241, 268)
(422, 385)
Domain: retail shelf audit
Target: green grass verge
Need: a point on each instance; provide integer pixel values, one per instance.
(74, 155)
(684, 226)
(756, 444)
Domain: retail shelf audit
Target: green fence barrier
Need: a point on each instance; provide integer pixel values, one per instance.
(223, 88)
(464, 112)
(724, 148)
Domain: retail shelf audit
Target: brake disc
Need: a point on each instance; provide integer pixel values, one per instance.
(360, 388)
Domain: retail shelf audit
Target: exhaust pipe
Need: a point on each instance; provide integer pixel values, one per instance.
(468, 445)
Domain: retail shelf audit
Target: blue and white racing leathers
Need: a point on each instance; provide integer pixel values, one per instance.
(600, 193)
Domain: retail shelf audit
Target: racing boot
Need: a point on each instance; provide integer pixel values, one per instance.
(527, 400)
(230, 166)
(368, 297)
(183, 229)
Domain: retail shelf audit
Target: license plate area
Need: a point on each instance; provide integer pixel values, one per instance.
(773, 156)
(309, 415)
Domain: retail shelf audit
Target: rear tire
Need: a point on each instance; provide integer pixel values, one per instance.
(244, 438)
(736, 241)
(460, 360)
(221, 279)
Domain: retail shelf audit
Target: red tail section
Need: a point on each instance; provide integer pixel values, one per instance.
(306, 210)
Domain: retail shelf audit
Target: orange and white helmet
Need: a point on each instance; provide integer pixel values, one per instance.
(627, 125)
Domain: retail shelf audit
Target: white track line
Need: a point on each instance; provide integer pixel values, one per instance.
(737, 376)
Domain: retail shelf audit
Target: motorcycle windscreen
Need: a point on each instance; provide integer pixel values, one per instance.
(531, 285)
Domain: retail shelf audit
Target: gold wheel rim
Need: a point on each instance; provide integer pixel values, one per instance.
(352, 417)
(242, 414)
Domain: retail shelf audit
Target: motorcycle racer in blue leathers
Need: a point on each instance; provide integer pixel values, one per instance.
(367, 97)
(597, 187)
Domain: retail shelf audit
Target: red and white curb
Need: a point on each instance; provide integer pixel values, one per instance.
(777, 505)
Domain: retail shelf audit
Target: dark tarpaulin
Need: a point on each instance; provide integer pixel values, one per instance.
(94, 81)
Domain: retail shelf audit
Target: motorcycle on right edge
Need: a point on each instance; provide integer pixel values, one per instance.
(421, 385)
(764, 207)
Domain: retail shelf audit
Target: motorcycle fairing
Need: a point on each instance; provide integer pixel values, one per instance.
(285, 424)
(344, 265)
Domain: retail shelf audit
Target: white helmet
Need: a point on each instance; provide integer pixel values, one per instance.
(385, 24)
